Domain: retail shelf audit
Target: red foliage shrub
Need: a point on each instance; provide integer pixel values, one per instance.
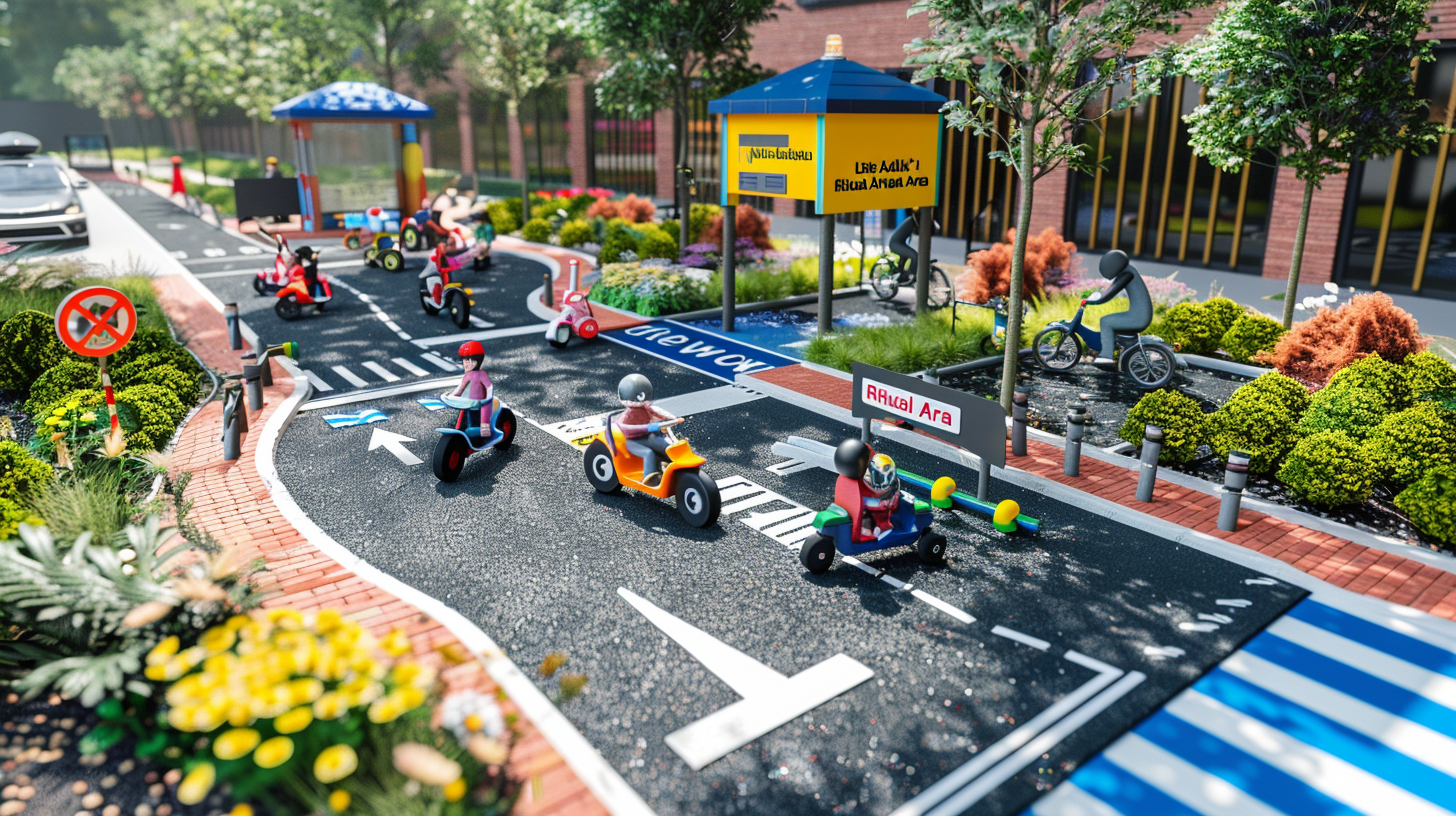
(1368, 324)
(634, 208)
(748, 223)
(988, 272)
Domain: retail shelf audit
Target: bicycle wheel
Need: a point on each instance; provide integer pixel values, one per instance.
(1150, 365)
(941, 292)
(989, 347)
(1057, 349)
(884, 278)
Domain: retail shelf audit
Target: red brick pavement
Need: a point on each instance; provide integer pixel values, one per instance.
(233, 504)
(607, 317)
(1329, 558)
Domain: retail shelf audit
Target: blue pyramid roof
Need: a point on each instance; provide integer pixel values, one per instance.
(830, 86)
(353, 100)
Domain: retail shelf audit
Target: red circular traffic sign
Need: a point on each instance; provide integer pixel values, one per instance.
(95, 321)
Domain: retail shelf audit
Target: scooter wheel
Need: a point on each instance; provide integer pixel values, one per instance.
(601, 471)
(817, 553)
(459, 306)
(588, 329)
(259, 286)
(563, 335)
(449, 459)
(288, 308)
(371, 256)
(931, 549)
(410, 237)
(428, 304)
(392, 260)
(351, 242)
(505, 422)
(698, 499)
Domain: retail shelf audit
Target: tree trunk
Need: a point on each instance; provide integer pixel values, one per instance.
(201, 149)
(465, 123)
(684, 199)
(142, 137)
(1292, 288)
(258, 146)
(517, 149)
(1018, 262)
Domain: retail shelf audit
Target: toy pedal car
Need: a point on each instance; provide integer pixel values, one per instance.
(609, 466)
(378, 228)
(457, 443)
(575, 318)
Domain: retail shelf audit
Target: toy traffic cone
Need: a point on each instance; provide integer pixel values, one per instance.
(178, 185)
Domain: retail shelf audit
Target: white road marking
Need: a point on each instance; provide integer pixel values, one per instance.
(1261, 581)
(788, 466)
(171, 225)
(379, 393)
(1199, 790)
(1067, 799)
(489, 334)
(1189, 626)
(179, 254)
(1215, 618)
(1019, 637)
(1438, 688)
(1235, 603)
(384, 373)
(440, 362)
(481, 324)
(1163, 651)
(393, 326)
(394, 443)
(250, 250)
(408, 366)
(214, 252)
(318, 382)
(349, 376)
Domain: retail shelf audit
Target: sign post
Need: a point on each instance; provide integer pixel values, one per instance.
(964, 420)
(97, 321)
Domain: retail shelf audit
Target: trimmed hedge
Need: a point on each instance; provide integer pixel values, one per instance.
(157, 413)
(505, 214)
(657, 243)
(1251, 334)
(1426, 373)
(575, 233)
(1195, 328)
(1183, 423)
(1387, 380)
(1408, 443)
(60, 380)
(28, 346)
(20, 472)
(12, 515)
(152, 347)
(619, 239)
(537, 230)
(1352, 410)
(1430, 503)
(1223, 312)
(1329, 469)
(1260, 419)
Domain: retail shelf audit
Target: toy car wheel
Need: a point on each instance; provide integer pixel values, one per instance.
(931, 548)
(600, 470)
(1057, 349)
(563, 334)
(392, 259)
(817, 553)
(371, 256)
(698, 499)
(506, 422)
(351, 242)
(428, 303)
(259, 286)
(458, 305)
(287, 308)
(410, 237)
(449, 459)
(588, 329)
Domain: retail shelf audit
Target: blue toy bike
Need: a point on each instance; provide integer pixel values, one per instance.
(457, 443)
(1146, 359)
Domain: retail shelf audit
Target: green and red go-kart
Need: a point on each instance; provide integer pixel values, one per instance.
(835, 527)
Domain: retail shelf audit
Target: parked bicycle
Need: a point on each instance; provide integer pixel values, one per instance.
(896, 268)
(1146, 359)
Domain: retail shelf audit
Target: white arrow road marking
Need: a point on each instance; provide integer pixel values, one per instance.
(214, 252)
(769, 698)
(1234, 603)
(394, 443)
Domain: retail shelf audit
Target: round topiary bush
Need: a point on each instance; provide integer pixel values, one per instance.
(1251, 334)
(1427, 373)
(28, 346)
(1351, 410)
(60, 380)
(1329, 469)
(1408, 443)
(537, 230)
(12, 515)
(1260, 419)
(657, 243)
(1430, 502)
(505, 215)
(1183, 423)
(153, 347)
(619, 240)
(1196, 329)
(575, 233)
(180, 383)
(135, 370)
(20, 472)
(1224, 312)
(157, 413)
(1386, 379)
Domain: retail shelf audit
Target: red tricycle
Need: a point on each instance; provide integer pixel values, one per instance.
(575, 318)
(440, 293)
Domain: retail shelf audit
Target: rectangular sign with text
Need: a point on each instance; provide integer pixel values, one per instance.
(965, 420)
(712, 354)
(772, 155)
(880, 161)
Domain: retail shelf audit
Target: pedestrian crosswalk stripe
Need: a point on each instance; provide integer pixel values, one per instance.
(352, 378)
(440, 362)
(1425, 655)
(388, 375)
(408, 366)
(318, 382)
(1439, 688)
(1190, 783)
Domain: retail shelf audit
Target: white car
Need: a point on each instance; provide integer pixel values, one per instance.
(38, 200)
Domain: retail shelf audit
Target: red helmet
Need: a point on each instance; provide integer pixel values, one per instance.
(472, 348)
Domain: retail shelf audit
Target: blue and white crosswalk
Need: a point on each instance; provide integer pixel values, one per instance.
(432, 404)
(353, 420)
(1322, 714)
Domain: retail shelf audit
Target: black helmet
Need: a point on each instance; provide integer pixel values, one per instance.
(306, 253)
(852, 457)
(635, 388)
(1112, 264)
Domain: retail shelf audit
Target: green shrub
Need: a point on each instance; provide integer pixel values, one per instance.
(1427, 373)
(619, 239)
(1183, 422)
(157, 413)
(20, 473)
(60, 380)
(1330, 469)
(698, 217)
(12, 515)
(1224, 312)
(576, 205)
(1250, 334)
(1195, 328)
(537, 230)
(658, 243)
(1388, 380)
(183, 385)
(671, 227)
(176, 359)
(1260, 419)
(94, 502)
(1408, 443)
(152, 347)
(28, 346)
(1430, 502)
(505, 214)
(1351, 410)
(575, 233)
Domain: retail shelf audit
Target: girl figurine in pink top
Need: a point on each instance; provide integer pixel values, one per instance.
(475, 383)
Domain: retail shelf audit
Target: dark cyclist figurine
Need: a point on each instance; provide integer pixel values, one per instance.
(900, 245)
(1139, 315)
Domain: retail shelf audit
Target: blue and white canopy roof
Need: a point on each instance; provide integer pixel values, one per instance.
(353, 100)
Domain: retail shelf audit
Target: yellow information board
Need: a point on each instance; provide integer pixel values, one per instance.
(772, 155)
(879, 161)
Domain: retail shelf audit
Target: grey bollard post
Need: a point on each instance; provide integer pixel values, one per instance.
(1076, 419)
(575, 274)
(864, 430)
(730, 261)
(1018, 420)
(983, 480)
(235, 329)
(254, 387)
(1148, 474)
(265, 367)
(546, 295)
(234, 424)
(1235, 477)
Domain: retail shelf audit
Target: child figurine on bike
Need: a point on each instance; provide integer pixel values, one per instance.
(1139, 315)
(475, 383)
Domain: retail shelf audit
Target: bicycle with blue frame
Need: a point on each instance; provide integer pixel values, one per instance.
(995, 342)
(1146, 359)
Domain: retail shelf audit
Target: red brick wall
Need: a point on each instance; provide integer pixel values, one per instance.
(874, 34)
(1321, 235)
(576, 144)
(1049, 202)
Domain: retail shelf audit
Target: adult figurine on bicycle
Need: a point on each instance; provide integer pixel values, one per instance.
(1139, 314)
(897, 268)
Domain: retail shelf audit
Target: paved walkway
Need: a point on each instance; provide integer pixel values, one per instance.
(1329, 558)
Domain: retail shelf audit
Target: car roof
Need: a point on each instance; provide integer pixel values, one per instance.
(34, 158)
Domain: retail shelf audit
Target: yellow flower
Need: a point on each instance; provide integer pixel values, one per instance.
(169, 671)
(164, 651)
(327, 621)
(411, 697)
(235, 743)
(405, 672)
(330, 706)
(217, 639)
(181, 717)
(53, 421)
(360, 691)
(339, 801)
(305, 690)
(455, 791)
(241, 809)
(473, 722)
(235, 623)
(196, 784)
(335, 763)
(385, 709)
(395, 644)
(274, 752)
(289, 620)
(293, 721)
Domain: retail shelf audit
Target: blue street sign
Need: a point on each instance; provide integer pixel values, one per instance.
(712, 354)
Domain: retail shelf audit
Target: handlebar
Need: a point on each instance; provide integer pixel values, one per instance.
(653, 427)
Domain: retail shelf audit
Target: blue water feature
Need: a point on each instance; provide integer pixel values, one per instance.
(786, 331)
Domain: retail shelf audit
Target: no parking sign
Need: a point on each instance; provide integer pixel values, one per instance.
(95, 321)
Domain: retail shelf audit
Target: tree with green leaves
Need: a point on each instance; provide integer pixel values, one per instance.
(1039, 63)
(400, 35)
(1321, 83)
(513, 47)
(102, 79)
(659, 51)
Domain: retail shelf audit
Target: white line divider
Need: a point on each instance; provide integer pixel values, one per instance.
(408, 366)
(489, 334)
(440, 362)
(600, 778)
(769, 698)
(378, 393)
(349, 376)
(368, 300)
(384, 373)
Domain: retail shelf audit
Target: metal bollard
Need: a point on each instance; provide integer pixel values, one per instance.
(1152, 449)
(1076, 419)
(1018, 420)
(234, 423)
(265, 364)
(1235, 477)
(864, 430)
(546, 296)
(575, 274)
(254, 387)
(983, 480)
(235, 330)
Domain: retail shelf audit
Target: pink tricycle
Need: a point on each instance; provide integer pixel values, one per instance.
(575, 317)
